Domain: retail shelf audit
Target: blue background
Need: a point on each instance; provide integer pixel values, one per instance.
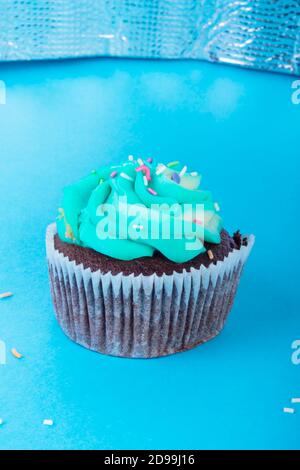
(241, 131)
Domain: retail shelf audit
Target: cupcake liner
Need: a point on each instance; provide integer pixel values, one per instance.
(142, 316)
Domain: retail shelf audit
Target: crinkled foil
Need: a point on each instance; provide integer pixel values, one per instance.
(260, 34)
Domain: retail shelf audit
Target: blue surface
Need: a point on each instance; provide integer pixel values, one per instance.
(240, 129)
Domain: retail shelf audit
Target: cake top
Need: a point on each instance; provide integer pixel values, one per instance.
(134, 209)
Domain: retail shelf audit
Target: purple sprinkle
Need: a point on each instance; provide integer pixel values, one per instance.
(113, 174)
(176, 178)
(150, 160)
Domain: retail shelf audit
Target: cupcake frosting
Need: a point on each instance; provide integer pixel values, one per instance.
(130, 210)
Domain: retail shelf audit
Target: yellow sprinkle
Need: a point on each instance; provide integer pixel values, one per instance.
(210, 254)
(5, 295)
(101, 180)
(16, 354)
(172, 164)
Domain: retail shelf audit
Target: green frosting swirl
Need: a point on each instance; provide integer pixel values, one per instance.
(170, 198)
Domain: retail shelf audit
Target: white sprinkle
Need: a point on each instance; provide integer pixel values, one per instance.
(295, 400)
(194, 173)
(137, 227)
(145, 180)
(183, 171)
(289, 410)
(48, 422)
(217, 207)
(126, 177)
(1, 421)
(160, 169)
(130, 157)
(140, 161)
(5, 295)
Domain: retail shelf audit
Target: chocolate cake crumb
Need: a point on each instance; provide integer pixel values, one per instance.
(147, 266)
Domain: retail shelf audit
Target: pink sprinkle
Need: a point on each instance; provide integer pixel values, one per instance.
(113, 174)
(151, 191)
(146, 170)
(198, 222)
(150, 160)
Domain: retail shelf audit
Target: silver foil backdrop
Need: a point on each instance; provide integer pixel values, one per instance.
(261, 34)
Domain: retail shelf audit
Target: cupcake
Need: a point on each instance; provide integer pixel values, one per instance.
(140, 264)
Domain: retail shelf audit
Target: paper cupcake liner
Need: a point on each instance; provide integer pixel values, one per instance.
(142, 316)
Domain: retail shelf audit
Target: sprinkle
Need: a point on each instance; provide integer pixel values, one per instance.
(175, 177)
(172, 164)
(150, 160)
(69, 232)
(194, 173)
(126, 177)
(61, 213)
(151, 191)
(113, 174)
(16, 354)
(5, 295)
(161, 168)
(94, 172)
(1, 421)
(198, 221)
(138, 227)
(183, 171)
(146, 170)
(130, 158)
(210, 254)
(289, 410)
(295, 400)
(48, 422)
(217, 207)
(140, 161)
(145, 180)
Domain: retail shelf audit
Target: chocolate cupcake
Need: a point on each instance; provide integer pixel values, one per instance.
(140, 264)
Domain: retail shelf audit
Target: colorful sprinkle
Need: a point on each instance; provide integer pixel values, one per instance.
(4, 295)
(145, 180)
(198, 221)
(175, 177)
(126, 177)
(183, 171)
(217, 207)
(48, 422)
(289, 410)
(101, 181)
(210, 254)
(138, 227)
(16, 354)
(150, 160)
(151, 191)
(146, 170)
(295, 400)
(113, 174)
(140, 161)
(160, 169)
(130, 158)
(194, 173)
(172, 164)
